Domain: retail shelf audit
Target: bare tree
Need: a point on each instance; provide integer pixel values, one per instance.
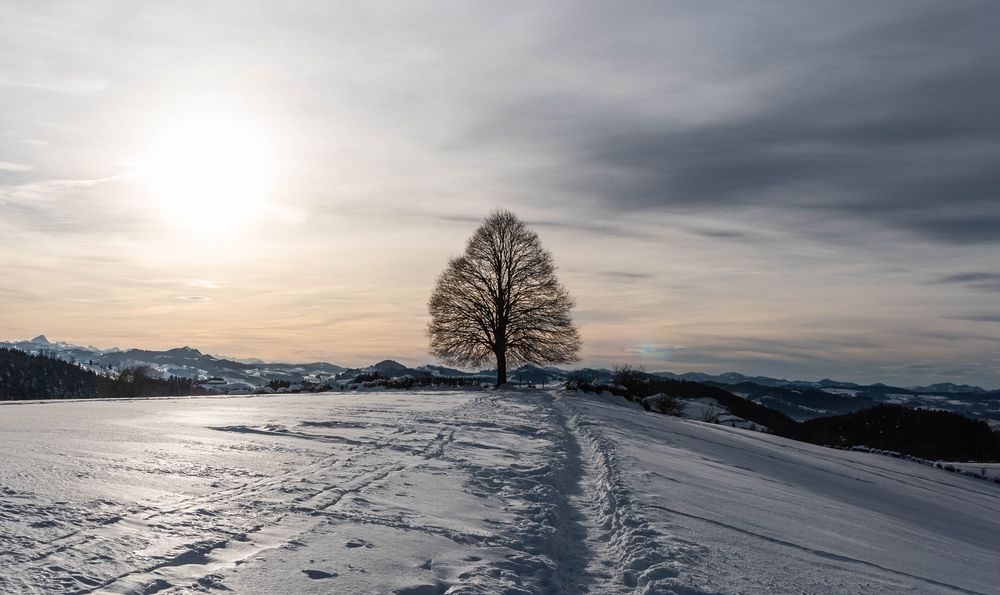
(632, 379)
(501, 300)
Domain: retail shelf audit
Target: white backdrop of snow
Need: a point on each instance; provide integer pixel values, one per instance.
(465, 492)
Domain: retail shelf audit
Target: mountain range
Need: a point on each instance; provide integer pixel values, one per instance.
(798, 399)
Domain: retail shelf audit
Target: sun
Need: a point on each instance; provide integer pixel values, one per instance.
(209, 171)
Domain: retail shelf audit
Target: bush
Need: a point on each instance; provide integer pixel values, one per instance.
(367, 377)
(663, 403)
(632, 379)
(401, 382)
(711, 415)
(597, 388)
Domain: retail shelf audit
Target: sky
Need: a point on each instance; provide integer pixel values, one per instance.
(794, 189)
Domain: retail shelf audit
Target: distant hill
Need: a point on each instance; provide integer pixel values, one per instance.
(390, 367)
(803, 400)
(798, 399)
(185, 362)
(798, 403)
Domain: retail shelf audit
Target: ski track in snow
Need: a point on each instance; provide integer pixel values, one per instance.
(463, 492)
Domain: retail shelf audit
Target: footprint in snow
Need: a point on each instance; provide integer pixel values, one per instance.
(357, 543)
(318, 574)
(156, 586)
(422, 589)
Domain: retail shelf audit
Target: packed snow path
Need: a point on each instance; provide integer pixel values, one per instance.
(464, 492)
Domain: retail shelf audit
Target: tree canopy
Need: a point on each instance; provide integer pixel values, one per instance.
(501, 299)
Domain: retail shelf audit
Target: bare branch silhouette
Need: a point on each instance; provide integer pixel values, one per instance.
(501, 299)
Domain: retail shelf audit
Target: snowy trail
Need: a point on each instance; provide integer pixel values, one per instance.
(464, 492)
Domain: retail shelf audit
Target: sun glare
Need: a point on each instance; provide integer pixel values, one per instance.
(210, 172)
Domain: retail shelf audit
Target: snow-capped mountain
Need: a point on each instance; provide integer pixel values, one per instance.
(186, 362)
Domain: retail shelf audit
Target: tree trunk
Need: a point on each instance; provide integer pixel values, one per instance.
(501, 367)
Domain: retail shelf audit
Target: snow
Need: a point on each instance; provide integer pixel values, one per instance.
(988, 471)
(843, 392)
(710, 410)
(464, 492)
(756, 513)
(702, 407)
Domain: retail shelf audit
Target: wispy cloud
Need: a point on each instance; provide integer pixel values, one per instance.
(42, 189)
(205, 284)
(624, 275)
(983, 281)
(69, 206)
(8, 166)
(977, 317)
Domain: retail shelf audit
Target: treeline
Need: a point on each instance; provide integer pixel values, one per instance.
(939, 435)
(26, 376)
(37, 376)
(138, 381)
(408, 381)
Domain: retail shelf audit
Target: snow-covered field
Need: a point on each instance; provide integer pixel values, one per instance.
(465, 492)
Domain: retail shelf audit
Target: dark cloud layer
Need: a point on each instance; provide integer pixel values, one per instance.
(979, 317)
(892, 125)
(977, 280)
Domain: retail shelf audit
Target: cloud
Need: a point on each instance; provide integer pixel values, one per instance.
(980, 280)
(886, 126)
(724, 234)
(975, 277)
(204, 284)
(649, 351)
(583, 225)
(978, 317)
(16, 167)
(623, 275)
(53, 206)
(291, 216)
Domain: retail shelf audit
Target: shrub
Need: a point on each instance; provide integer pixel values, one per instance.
(663, 403)
(711, 415)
